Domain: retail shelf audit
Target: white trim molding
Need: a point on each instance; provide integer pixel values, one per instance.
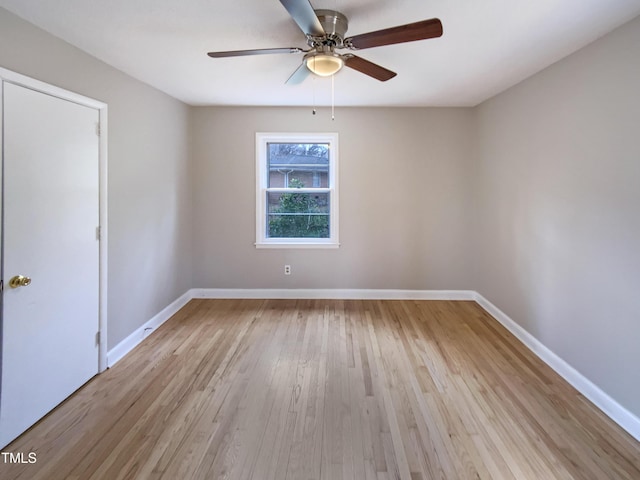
(334, 294)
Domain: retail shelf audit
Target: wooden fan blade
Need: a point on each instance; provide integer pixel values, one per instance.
(369, 68)
(401, 34)
(299, 76)
(259, 51)
(302, 13)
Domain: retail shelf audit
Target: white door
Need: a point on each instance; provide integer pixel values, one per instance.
(51, 211)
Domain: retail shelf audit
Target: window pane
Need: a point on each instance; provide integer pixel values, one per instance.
(298, 165)
(297, 215)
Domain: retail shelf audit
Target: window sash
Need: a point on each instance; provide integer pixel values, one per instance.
(298, 190)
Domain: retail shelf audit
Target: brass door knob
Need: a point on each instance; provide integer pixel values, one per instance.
(19, 281)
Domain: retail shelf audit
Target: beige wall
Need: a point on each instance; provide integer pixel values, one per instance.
(403, 200)
(558, 209)
(149, 199)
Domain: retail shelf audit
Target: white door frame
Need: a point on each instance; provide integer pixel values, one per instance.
(11, 77)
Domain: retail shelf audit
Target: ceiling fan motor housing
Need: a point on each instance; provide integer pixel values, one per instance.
(335, 25)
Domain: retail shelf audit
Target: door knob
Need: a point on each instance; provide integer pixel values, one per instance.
(19, 281)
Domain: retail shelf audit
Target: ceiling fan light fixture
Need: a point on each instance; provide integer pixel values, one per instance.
(324, 64)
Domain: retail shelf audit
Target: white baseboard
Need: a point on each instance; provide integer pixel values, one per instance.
(623, 417)
(334, 294)
(129, 343)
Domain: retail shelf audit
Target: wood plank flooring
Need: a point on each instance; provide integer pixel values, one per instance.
(327, 389)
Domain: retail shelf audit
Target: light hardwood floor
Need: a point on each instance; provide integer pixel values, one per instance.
(327, 389)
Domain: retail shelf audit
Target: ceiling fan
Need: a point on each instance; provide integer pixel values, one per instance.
(325, 30)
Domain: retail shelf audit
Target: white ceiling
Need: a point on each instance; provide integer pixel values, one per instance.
(487, 45)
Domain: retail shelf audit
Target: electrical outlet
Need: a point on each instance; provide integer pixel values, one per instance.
(287, 269)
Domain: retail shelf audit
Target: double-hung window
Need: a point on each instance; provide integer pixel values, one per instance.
(297, 190)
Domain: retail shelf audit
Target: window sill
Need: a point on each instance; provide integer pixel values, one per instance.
(281, 244)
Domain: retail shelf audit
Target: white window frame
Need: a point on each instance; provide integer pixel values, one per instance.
(262, 176)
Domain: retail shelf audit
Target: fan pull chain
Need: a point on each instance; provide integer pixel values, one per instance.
(313, 84)
(333, 103)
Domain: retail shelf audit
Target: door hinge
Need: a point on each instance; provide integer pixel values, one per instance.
(98, 233)
(98, 132)
(98, 338)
